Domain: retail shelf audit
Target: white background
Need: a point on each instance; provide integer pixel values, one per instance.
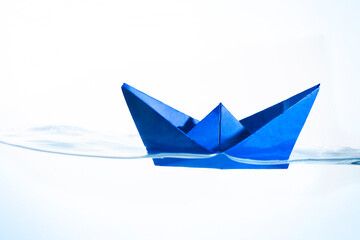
(63, 63)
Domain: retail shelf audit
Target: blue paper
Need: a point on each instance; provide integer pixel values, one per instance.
(267, 135)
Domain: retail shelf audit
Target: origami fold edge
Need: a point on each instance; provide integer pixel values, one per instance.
(158, 124)
(218, 131)
(276, 139)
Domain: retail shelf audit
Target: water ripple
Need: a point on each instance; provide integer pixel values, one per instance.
(73, 141)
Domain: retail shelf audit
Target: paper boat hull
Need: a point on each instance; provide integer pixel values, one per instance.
(219, 162)
(267, 135)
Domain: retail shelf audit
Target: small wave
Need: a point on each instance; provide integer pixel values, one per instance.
(355, 161)
(73, 141)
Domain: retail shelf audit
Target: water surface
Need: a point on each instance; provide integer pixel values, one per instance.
(74, 141)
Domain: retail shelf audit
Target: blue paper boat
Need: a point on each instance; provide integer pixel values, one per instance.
(267, 135)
